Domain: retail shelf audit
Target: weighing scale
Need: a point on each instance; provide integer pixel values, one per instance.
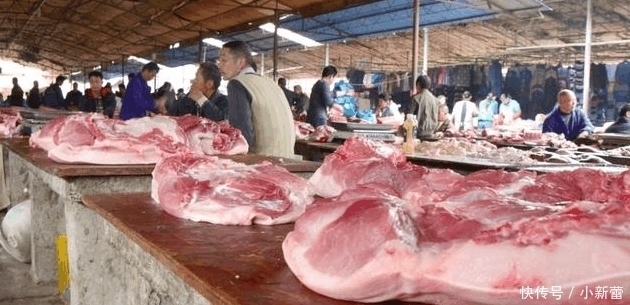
(31, 126)
(34, 120)
(375, 132)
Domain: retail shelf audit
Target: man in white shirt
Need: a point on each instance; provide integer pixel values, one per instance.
(463, 113)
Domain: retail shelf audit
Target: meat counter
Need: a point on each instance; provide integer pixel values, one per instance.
(128, 249)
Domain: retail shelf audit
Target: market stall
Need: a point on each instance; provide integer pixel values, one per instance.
(50, 185)
(137, 253)
(467, 164)
(32, 173)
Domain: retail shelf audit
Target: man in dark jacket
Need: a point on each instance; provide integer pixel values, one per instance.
(74, 97)
(292, 98)
(34, 99)
(53, 97)
(566, 119)
(623, 123)
(17, 94)
(321, 98)
(204, 99)
(98, 98)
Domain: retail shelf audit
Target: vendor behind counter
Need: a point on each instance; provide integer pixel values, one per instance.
(488, 108)
(622, 125)
(566, 119)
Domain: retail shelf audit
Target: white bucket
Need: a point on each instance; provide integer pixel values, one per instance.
(15, 233)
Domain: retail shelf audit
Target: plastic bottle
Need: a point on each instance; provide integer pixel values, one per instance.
(409, 146)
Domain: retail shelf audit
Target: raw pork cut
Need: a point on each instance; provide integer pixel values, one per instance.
(9, 123)
(322, 133)
(444, 238)
(369, 245)
(361, 161)
(302, 130)
(96, 139)
(221, 191)
(212, 138)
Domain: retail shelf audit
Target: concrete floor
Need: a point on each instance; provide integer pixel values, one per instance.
(17, 287)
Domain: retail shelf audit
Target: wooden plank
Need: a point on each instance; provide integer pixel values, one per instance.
(39, 158)
(571, 167)
(464, 164)
(292, 165)
(456, 161)
(225, 264)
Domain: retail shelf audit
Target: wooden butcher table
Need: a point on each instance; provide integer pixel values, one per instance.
(459, 164)
(125, 248)
(51, 185)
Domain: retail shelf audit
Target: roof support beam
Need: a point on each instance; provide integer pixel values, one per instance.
(37, 9)
(416, 38)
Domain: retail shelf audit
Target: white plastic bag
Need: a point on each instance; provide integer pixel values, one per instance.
(15, 233)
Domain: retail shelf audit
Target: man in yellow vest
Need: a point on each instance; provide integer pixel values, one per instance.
(256, 105)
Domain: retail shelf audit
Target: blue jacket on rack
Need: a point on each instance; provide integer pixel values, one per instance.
(578, 123)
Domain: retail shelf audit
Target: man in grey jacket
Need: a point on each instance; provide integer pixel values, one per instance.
(426, 105)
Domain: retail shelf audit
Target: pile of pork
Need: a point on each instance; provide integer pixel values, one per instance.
(221, 191)
(471, 148)
(96, 139)
(549, 139)
(306, 132)
(386, 229)
(579, 155)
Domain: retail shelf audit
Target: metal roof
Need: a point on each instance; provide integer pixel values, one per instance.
(352, 23)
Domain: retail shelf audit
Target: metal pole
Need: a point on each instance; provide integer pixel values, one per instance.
(275, 46)
(327, 60)
(262, 64)
(84, 77)
(416, 38)
(202, 52)
(587, 58)
(123, 64)
(425, 51)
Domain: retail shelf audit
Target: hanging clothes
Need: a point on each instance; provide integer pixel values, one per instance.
(551, 90)
(355, 77)
(495, 77)
(579, 82)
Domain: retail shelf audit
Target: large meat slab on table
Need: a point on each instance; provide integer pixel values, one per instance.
(221, 191)
(390, 230)
(96, 139)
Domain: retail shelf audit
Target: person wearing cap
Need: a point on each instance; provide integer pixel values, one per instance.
(53, 97)
(256, 105)
(622, 125)
(463, 113)
(566, 119)
(138, 100)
